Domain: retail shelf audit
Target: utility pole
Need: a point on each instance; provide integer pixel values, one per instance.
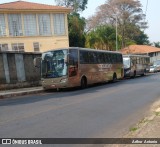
(116, 28)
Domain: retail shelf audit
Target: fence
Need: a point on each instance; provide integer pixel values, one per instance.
(17, 70)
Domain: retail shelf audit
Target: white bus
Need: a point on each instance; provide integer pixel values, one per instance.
(135, 65)
(72, 67)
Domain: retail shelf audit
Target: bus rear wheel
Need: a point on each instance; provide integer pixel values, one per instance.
(114, 77)
(83, 82)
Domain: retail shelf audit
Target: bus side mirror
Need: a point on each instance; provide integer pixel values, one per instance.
(37, 62)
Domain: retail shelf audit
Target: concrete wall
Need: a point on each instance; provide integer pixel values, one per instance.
(17, 70)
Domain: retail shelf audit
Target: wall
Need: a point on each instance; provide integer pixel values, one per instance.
(46, 43)
(17, 70)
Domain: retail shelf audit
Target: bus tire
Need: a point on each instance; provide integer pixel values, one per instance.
(134, 75)
(83, 82)
(145, 73)
(114, 77)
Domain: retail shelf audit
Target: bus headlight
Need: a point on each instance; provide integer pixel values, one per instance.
(63, 80)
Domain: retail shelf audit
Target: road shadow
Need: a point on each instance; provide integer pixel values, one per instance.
(53, 94)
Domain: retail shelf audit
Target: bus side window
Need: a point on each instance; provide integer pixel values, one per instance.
(119, 58)
(111, 58)
(101, 58)
(73, 62)
(84, 59)
(114, 58)
(107, 58)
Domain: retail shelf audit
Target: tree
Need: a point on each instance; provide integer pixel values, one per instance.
(128, 13)
(102, 37)
(156, 44)
(76, 5)
(141, 39)
(76, 30)
(76, 24)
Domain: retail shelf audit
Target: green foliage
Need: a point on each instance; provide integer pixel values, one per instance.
(157, 113)
(127, 14)
(76, 30)
(76, 5)
(102, 37)
(156, 44)
(133, 129)
(141, 39)
(135, 36)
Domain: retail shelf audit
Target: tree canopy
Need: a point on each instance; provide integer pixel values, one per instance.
(76, 5)
(76, 30)
(99, 31)
(102, 37)
(126, 13)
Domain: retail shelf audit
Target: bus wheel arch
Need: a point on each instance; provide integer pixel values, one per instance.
(83, 82)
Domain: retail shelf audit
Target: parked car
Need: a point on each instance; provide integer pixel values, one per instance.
(157, 65)
(153, 68)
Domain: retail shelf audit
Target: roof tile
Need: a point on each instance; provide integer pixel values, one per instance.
(139, 49)
(23, 5)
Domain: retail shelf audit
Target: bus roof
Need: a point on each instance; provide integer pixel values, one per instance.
(133, 55)
(85, 49)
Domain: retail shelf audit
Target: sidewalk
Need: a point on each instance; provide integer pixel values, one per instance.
(20, 92)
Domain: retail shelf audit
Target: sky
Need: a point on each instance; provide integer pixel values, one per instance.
(152, 14)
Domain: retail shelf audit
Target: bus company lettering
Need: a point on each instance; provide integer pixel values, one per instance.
(105, 66)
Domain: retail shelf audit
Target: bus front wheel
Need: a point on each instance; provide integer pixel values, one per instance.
(134, 75)
(83, 82)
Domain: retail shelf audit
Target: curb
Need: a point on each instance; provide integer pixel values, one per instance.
(20, 93)
(142, 124)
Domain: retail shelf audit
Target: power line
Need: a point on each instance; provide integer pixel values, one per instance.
(146, 12)
(146, 8)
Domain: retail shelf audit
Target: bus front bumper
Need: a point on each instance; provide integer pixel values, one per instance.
(54, 84)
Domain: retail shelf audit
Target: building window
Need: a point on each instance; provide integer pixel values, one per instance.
(44, 24)
(30, 25)
(36, 46)
(15, 25)
(19, 47)
(3, 47)
(59, 24)
(2, 25)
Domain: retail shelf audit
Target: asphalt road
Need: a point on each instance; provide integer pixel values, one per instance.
(105, 110)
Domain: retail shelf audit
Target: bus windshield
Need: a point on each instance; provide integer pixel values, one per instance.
(126, 62)
(54, 64)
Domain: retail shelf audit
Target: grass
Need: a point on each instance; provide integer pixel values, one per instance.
(133, 129)
(157, 113)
